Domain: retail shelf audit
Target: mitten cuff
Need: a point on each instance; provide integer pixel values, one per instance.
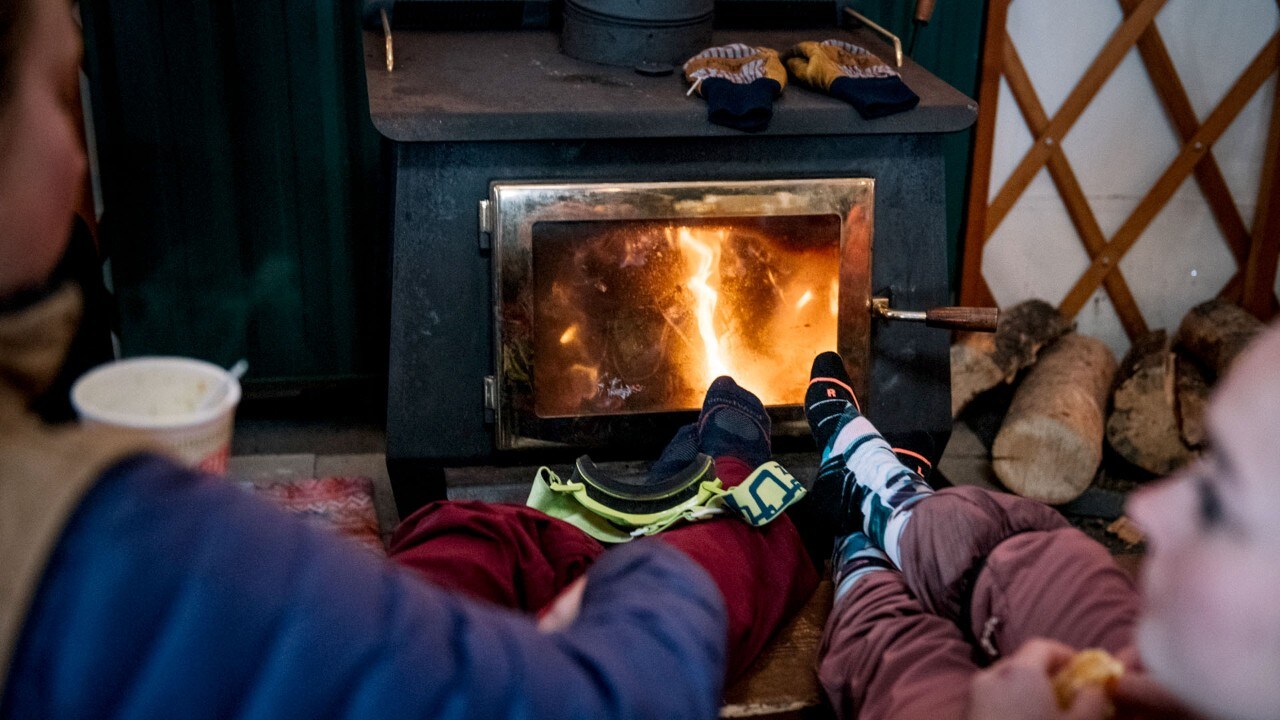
(746, 107)
(874, 97)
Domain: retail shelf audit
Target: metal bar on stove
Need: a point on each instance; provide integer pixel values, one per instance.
(897, 44)
(386, 32)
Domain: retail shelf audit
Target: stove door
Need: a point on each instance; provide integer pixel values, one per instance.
(617, 305)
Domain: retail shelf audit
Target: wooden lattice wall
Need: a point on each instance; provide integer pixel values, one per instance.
(1256, 249)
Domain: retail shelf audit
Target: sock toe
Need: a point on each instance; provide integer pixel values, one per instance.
(830, 365)
(734, 423)
(828, 397)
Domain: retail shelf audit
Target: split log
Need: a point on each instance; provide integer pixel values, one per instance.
(973, 369)
(1193, 398)
(1143, 425)
(1050, 444)
(1215, 332)
(981, 361)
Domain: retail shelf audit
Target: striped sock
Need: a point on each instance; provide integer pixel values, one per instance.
(855, 557)
(829, 393)
(829, 404)
(884, 487)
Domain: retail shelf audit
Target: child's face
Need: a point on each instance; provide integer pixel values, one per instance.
(1211, 580)
(41, 161)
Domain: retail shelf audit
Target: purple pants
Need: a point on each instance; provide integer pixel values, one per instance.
(984, 572)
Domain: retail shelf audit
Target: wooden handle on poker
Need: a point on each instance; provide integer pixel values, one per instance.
(963, 318)
(924, 10)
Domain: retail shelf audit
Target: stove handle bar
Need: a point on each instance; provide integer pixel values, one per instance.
(951, 318)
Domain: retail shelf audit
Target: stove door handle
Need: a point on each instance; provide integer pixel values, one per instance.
(951, 318)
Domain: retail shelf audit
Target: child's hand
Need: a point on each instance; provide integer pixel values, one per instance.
(1139, 696)
(564, 609)
(1018, 687)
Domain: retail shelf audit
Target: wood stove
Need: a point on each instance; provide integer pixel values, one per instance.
(550, 222)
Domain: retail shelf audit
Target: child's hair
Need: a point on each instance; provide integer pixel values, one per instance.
(13, 24)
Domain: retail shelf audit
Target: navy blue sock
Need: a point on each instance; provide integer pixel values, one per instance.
(678, 453)
(734, 423)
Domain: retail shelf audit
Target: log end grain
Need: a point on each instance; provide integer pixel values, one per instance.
(1215, 332)
(1050, 445)
(1045, 459)
(1143, 426)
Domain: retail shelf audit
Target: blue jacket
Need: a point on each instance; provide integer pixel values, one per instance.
(171, 594)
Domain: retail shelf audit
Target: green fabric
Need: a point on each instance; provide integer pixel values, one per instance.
(763, 496)
(559, 503)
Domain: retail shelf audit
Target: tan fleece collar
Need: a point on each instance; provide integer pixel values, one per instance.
(44, 472)
(34, 343)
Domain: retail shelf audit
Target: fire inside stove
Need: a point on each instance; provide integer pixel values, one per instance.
(640, 316)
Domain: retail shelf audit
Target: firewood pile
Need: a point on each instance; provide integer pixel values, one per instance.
(1070, 395)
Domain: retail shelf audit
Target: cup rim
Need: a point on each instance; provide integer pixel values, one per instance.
(129, 420)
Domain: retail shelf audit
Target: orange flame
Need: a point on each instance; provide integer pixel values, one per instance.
(645, 318)
(705, 258)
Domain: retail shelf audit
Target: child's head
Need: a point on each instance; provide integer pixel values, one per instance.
(41, 161)
(1211, 580)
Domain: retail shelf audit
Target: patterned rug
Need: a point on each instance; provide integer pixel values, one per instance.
(344, 504)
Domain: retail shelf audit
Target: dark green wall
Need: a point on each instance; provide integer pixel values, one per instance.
(950, 46)
(239, 173)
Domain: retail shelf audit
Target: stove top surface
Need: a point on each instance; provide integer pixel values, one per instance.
(517, 85)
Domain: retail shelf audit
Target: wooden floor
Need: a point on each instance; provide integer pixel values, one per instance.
(783, 681)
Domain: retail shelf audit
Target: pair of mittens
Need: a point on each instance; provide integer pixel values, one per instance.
(739, 83)
(851, 73)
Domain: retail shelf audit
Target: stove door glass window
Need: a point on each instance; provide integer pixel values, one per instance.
(637, 316)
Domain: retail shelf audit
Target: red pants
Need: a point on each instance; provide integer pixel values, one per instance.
(521, 558)
(984, 572)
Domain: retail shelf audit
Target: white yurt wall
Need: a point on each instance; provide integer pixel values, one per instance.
(1119, 147)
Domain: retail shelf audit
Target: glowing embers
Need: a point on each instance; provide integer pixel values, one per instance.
(640, 316)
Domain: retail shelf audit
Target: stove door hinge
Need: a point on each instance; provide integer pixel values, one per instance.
(490, 398)
(486, 225)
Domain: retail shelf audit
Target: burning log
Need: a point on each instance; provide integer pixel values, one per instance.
(981, 361)
(1215, 332)
(1050, 444)
(1152, 387)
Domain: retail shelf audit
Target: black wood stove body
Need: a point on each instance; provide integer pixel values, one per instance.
(484, 124)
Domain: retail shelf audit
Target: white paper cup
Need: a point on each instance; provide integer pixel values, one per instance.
(188, 405)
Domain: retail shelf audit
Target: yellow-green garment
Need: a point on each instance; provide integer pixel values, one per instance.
(761, 497)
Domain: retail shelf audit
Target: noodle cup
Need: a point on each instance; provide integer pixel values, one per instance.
(187, 405)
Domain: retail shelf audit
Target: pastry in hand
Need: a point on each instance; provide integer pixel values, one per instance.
(1088, 667)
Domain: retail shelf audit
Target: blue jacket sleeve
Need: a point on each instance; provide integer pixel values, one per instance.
(175, 595)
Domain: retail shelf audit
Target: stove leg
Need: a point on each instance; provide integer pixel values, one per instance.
(414, 484)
